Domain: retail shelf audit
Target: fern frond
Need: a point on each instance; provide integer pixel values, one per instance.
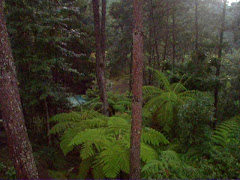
(113, 159)
(66, 117)
(147, 153)
(188, 94)
(153, 137)
(167, 166)
(62, 126)
(119, 107)
(118, 125)
(151, 91)
(222, 134)
(96, 123)
(161, 78)
(66, 139)
(178, 87)
(98, 172)
(87, 151)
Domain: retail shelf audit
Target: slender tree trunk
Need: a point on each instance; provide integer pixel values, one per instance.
(99, 58)
(196, 31)
(173, 35)
(150, 44)
(18, 142)
(218, 68)
(135, 169)
(196, 25)
(131, 72)
(167, 35)
(103, 36)
(155, 34)
(47, 121)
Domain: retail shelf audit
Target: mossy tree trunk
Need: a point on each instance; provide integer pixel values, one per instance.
(13, 120)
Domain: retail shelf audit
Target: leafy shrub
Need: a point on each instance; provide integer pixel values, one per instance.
(8, 172)
(168, 166)
(194, 120)
(220, 159)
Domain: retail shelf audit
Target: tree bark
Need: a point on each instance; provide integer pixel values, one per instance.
(130, 69)
(47, 121)
(135, 169)
(99, 58)
(167, 35)
(173, 34)
(218, 67)
(103, 27)
(150, 49)
(155, 35)
(18, 142)
(196, 32)
(196, 25)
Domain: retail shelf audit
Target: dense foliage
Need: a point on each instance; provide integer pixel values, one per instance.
(191, 121)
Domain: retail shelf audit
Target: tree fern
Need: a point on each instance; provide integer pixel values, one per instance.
(106, 142)
(114, 158)
(168, 166)
(164, 99)
(118, 102)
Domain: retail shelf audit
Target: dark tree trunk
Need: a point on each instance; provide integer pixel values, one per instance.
(47, 121)
(218, 67)
(103, 36)
(99, 58)
(130, 68)
(135, 169)
(155, 34)
(18, 142)
(150, 49)
(196, 25)
(173, 34)
(196, 32)
(167, 34)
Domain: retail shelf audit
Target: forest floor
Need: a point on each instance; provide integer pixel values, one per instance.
(120, 84)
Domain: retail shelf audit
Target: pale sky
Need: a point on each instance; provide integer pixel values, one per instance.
(230, 1)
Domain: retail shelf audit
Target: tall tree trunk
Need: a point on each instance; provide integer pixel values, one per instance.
(167, 34)
(173, 34)
(150, 49)
(218, 68)
(135, 169)
(155, 35)
(99, 58)
(130, 69)
(18, 142)
(196, 25)
(47, 121)
(103, 36)
(196, 31)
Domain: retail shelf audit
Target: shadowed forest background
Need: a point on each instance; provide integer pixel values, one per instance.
(77, 93)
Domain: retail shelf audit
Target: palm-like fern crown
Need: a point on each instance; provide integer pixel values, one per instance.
(164, 98)
(104, 141)
(119, 102)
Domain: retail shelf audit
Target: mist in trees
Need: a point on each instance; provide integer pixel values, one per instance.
(119, 89)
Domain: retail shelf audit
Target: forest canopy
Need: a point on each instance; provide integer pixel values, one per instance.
(119, 89)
